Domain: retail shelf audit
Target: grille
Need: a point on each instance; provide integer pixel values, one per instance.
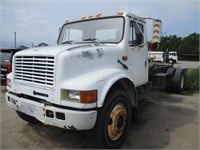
(35, 69)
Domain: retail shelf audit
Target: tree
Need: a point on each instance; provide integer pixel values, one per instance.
(23, 47)
(42, 44)
(185, 45)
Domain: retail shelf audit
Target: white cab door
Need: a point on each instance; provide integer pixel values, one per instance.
(138, 53)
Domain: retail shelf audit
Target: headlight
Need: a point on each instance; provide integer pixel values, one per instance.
(74, 95)
(79, 96)
(70, 95)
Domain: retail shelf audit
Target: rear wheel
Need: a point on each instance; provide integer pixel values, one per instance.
(170, 74)
(27, 118)
(178, 81)
(113, 120)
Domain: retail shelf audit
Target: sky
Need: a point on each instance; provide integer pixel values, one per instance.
(36, 21)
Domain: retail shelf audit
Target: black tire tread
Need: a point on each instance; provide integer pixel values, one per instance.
(176, 80)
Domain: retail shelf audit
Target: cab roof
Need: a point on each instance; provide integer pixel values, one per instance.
(100, 15)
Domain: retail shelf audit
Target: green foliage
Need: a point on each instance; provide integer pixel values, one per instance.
(183, 45)
(192, 80)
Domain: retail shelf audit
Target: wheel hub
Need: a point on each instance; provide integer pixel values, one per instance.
(117, 122)
(120, 122)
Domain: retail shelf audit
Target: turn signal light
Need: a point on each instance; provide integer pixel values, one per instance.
(88, 96)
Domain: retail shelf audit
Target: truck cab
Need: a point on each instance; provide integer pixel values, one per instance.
(172, 57)
(90, 80)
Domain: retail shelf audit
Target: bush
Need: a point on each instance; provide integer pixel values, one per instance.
(192, 80)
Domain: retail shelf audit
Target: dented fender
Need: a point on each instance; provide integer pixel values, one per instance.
(101, 80)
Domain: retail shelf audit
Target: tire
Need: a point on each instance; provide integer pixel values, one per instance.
(175, 61)
(170, 74)
(113, 121)
(171, 71)
(178, 81)
(27, 118)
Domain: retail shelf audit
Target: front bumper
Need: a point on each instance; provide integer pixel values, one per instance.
(53, 115)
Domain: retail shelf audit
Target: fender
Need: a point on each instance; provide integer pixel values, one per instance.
(110, 82)
(101, 80)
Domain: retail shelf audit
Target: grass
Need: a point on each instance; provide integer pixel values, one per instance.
(192, 80)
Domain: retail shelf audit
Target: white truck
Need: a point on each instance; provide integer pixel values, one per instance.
(93, 78)
(171, 57)
(156, 56)
(159, 56)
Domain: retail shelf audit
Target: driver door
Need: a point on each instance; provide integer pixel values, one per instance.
(138, 53)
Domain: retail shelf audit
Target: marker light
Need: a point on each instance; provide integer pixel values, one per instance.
(83, 18)
(9, 68)
(98, 15)
(120, 13)
(66, 21)
(124, 58)
(90, 17)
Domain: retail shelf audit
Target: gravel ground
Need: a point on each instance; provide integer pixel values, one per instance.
(187, 64)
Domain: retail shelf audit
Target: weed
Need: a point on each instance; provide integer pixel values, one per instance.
(192, 80)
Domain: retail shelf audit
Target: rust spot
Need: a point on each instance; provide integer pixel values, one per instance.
(100, 52)
(87, 54)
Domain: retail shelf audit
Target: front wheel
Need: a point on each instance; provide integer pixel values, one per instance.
(113, 120)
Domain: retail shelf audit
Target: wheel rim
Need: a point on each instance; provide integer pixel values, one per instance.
(117, 122)
(182, 82)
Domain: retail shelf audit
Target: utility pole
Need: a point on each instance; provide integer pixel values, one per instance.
(15, 40)
(162, 42)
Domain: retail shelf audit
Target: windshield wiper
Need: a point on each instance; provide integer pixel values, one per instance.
(92, 39)
(67, 42)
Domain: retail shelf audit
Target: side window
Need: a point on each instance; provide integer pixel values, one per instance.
(136, 36)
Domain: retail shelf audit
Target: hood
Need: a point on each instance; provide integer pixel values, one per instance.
(75, 59)
(53, 50)
(81, 59)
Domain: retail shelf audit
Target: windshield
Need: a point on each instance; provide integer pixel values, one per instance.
(173, 53)
(98, 30)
